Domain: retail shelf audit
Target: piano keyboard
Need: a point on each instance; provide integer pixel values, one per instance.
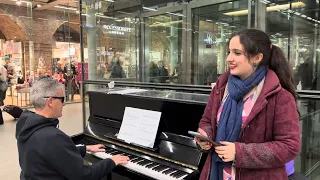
(145, 166)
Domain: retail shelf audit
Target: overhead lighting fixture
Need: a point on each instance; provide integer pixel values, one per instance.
(176, 14)
(65, 7)
(109, 0)
(269, 9)
(208, 20)
(150, 9)
(18, 2)
(165, 24)
(43, 19)
(38, 5)
(106, 17)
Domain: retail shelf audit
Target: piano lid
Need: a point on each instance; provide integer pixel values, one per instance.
(170, 95)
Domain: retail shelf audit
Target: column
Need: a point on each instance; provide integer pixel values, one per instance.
(222, 51)
(260, 15)
(91, 26)
(173, 47)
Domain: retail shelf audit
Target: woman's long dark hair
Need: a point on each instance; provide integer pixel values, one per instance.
(255, 41)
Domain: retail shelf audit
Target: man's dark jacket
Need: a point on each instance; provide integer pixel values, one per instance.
(47, 153)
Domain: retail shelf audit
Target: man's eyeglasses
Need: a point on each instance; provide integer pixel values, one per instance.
(55, 97)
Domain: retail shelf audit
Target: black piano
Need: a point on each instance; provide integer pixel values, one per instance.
(174, 156)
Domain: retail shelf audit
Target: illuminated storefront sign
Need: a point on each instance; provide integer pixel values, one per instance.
(117, 28)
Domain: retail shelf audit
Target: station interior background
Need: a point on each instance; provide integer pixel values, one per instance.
(163, 44)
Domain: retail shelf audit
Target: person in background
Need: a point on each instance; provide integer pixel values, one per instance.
(252, 114)
(153, 72)
(3, 89)
(163, 72)
(45, 152)
(117, 69)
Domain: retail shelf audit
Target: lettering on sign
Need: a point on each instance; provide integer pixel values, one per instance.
(117, 28)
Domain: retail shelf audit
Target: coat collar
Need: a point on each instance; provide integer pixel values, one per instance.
(270, 87)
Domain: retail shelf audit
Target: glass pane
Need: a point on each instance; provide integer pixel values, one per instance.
(308, 161)
(212, 26)
(304, 55)
(110, 44)
(163, 40)
(15, 30)
(278, 23)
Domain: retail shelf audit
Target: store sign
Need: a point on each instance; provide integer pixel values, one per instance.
(208, 38)
(117, 28)
(115, 32)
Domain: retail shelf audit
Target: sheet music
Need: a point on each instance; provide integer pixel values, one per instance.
(139, 126)
(127, 91)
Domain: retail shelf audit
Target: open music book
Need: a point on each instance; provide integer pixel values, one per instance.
(139, 126)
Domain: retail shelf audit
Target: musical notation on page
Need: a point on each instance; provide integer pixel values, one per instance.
(139, 126)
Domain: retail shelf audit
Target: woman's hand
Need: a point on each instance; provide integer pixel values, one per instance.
(227, 151)
(96, 148)
(203, 144)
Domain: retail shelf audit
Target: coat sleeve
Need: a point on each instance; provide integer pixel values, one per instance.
(64, 157)
(205, 122)
(286, 139)
(82, 149)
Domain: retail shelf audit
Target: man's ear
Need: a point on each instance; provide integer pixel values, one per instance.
(49, 102)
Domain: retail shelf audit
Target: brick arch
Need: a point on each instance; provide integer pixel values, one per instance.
(11, 27)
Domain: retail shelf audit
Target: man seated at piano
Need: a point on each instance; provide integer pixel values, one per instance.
(45, 152)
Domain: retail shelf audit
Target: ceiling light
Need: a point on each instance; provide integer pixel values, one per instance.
(107, 17)
(208, 20)
(109, 0)
(38, 5)
(176, 14)
(65, 7)
(269, 9)
(150, 9)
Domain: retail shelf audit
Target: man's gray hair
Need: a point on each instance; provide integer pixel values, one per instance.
(43, 87)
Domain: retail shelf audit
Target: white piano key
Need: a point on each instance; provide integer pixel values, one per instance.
(142, 169)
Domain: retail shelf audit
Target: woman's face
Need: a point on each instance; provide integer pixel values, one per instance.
(238, 62)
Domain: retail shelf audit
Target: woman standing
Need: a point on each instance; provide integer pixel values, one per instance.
(251, 113)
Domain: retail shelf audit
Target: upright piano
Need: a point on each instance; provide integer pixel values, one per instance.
(174, 156)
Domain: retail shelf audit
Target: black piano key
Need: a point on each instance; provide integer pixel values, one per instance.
(169, 171)
(146, 163)
(152, 165)
(175, 174)
(158, 167)
(137, 160)
(132, 156)
(115, 152)
(111, 150)
(142, 163)
(108, 150)
(181, 174)
(161, 168)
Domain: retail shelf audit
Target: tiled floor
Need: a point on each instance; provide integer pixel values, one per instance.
(70, 123)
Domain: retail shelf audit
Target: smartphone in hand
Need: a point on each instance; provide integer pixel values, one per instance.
(202, 138)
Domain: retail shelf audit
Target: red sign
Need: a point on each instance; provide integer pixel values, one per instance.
(79, 68)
